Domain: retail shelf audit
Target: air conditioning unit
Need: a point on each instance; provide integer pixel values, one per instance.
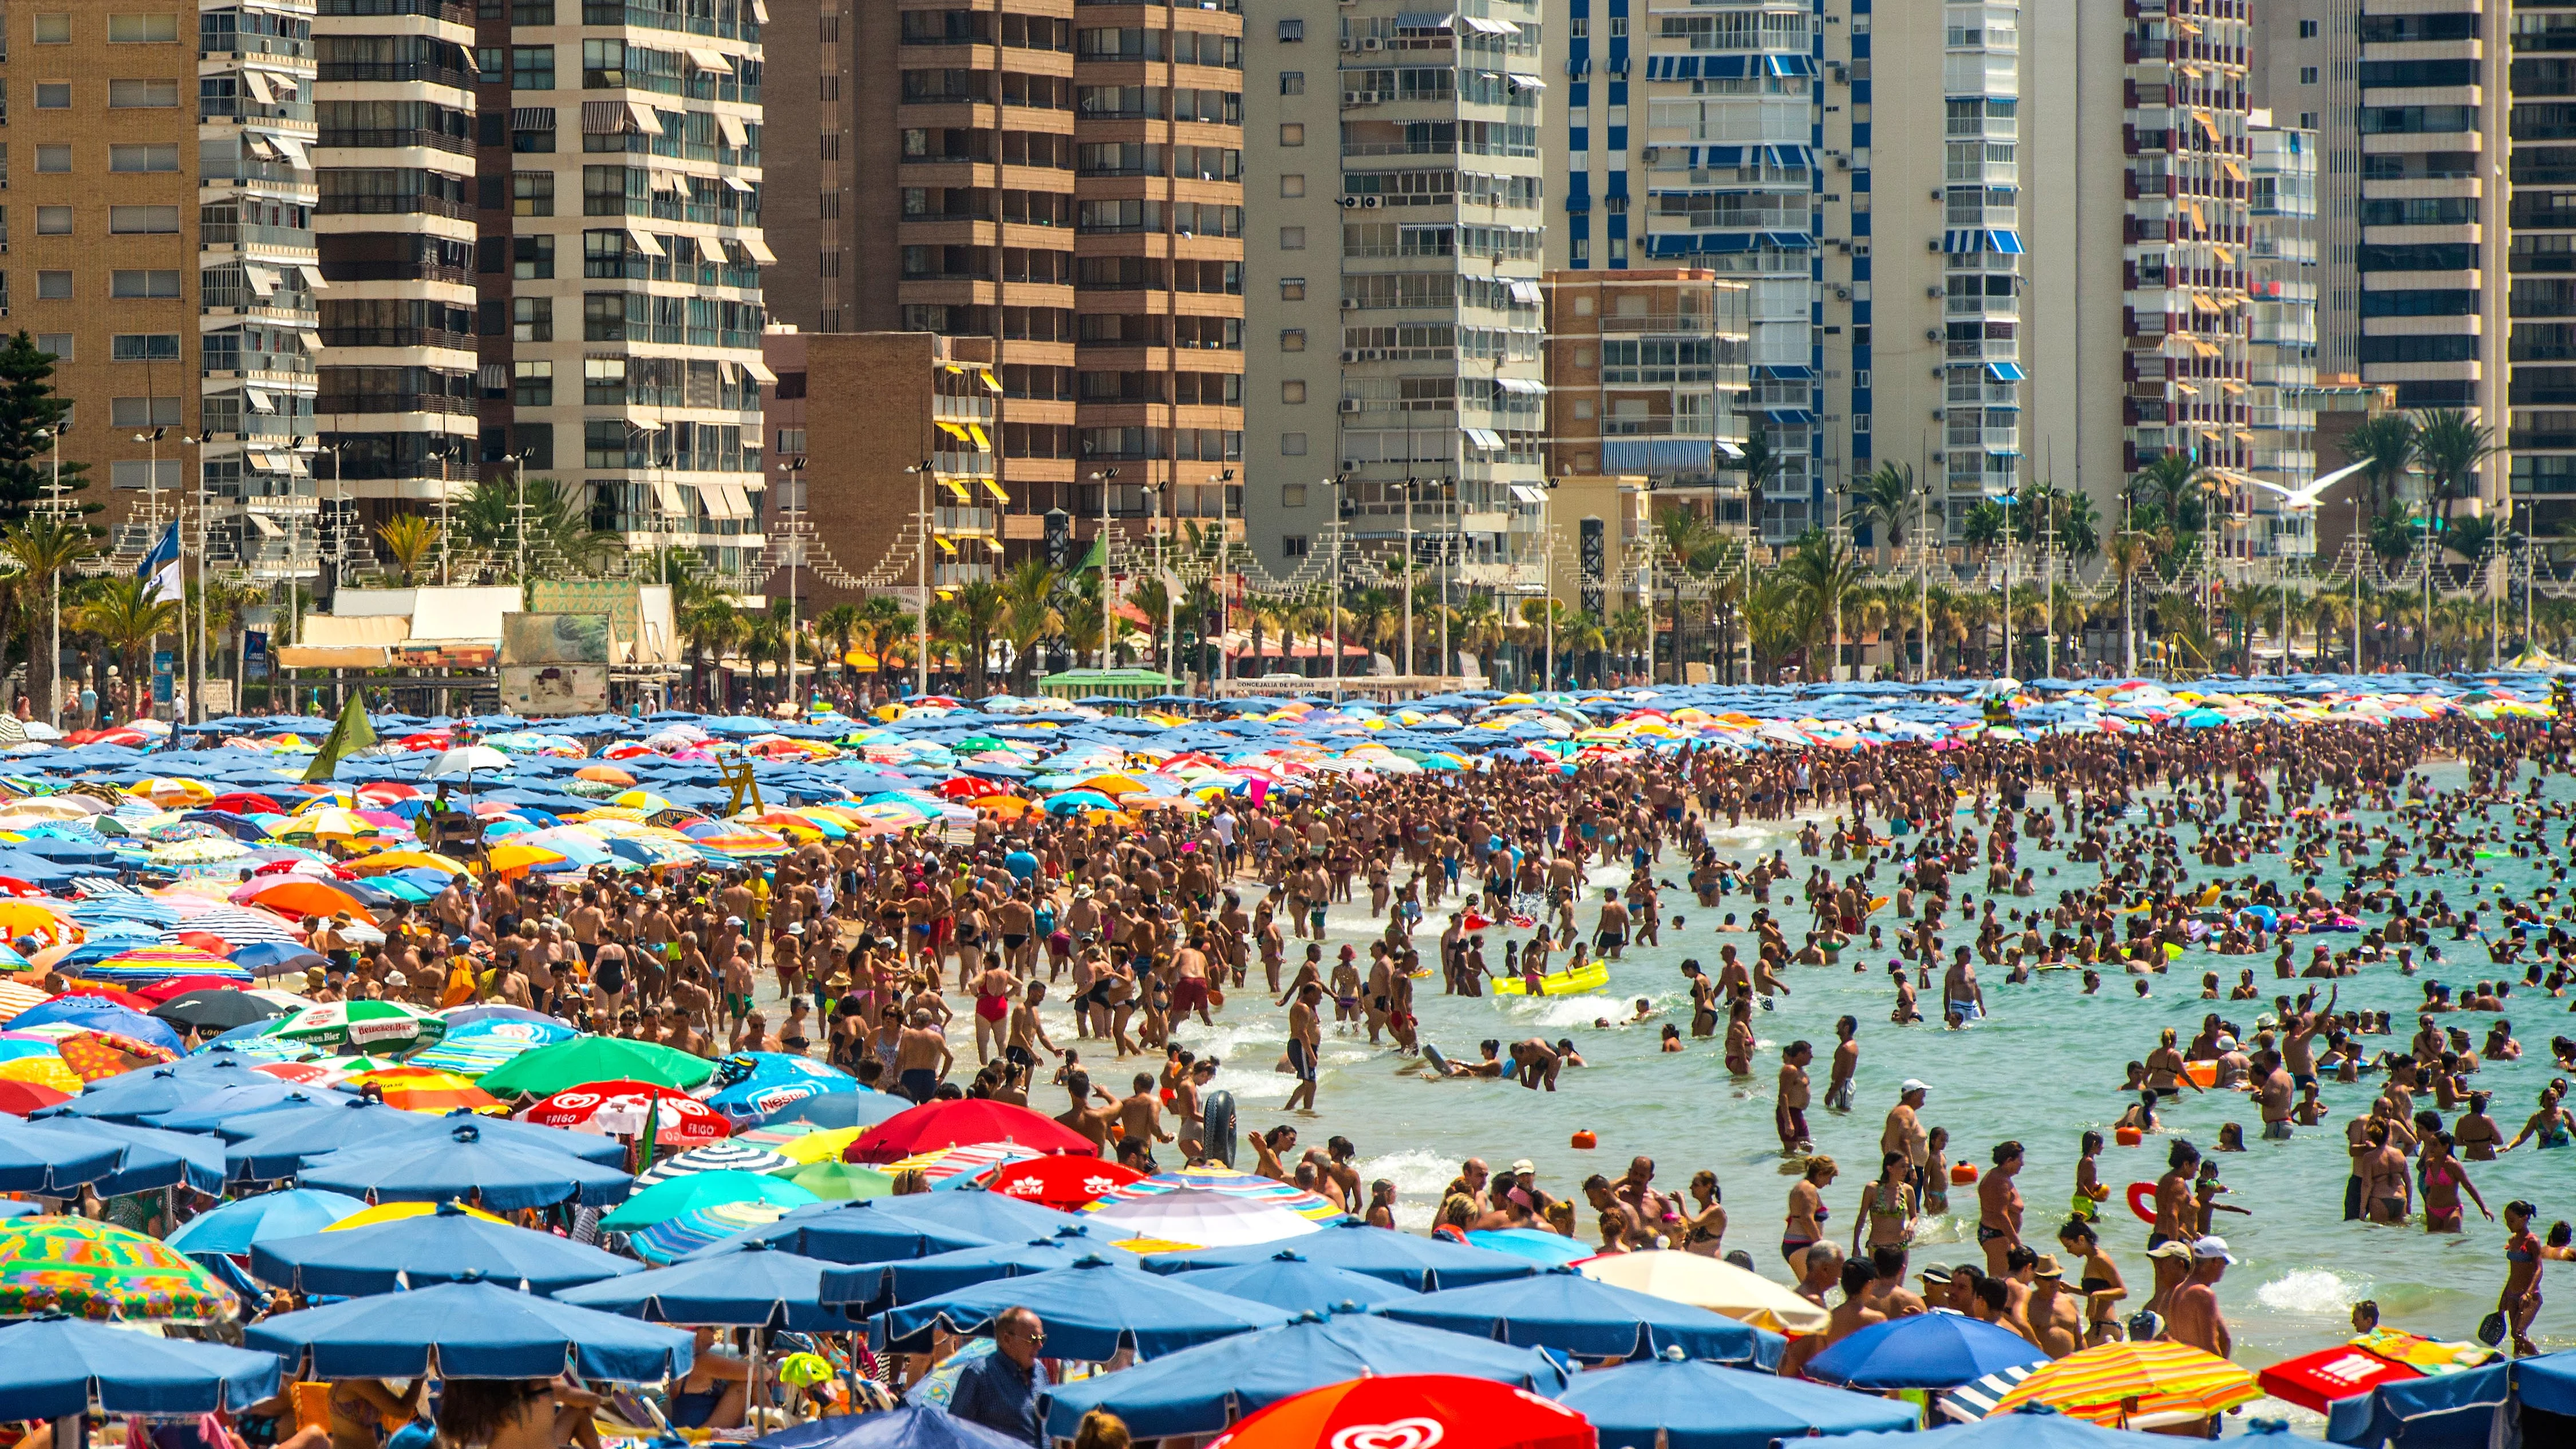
(1353, 98)
(1350, 354)
(1350, 405)
(1931, 334)
(1350, 304)
(1842, 294)
(1371, 203)
(1372, 354)
(1933, 245)
(1932, 291)
(1842, 163)
(1372, 43)
(1936, 414)
(1936, 194)
(1349, 44)
(1349, 202)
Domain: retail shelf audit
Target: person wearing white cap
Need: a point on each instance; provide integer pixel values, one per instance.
(2192, 1314)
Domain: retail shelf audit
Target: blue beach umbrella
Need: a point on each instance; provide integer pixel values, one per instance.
(505, 1175)
(153, 1159)
(237, 1226)
(1423, 1264)
(875, 1286)
(909, 1427)
(1549, 1250)
(53, 1163)
(470, 1330)
(2041, 1429)
(439, 1247)
(1091, 1309)
(1936, 1350)
(1563, 1310)
(1202, 1390)
(887, 1229)
(54, 1368)
(99, 1014)
(1704, 1406)
(862, 1108)
(170, 1086)
(1289, 1281)
(757, 1289)
(236, 1101)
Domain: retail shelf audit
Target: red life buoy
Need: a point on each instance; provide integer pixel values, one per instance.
(2142, 1201)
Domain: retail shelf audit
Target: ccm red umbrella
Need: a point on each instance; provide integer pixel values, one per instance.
(962, 1123)
(1064, 1183)
(1413, 1411)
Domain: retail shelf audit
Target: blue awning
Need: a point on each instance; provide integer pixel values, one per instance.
(1789, 417)
(1423, 20)
(1725, 67)
(2004, 371)
(1579, 65)
(1578, 201)
(1703, 243)
(1788, 241)
(2007, 242)
(1703, 157)
(1789, 65)
(1962, 241)
(1785, 373)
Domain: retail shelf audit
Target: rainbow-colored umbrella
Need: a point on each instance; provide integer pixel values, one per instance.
(154, 963)
(1231, 1183)
(98, 1271)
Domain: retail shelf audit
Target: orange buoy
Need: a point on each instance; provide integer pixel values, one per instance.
(1585, 1141)
(2128, 1136)
(1963, 1173)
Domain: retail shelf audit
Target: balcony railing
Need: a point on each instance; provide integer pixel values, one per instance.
(426, 72)
(964, 520)
(454, 12)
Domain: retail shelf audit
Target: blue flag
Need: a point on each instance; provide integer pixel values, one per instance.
(160, 567)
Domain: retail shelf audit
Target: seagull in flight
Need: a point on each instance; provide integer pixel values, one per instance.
(2301, 500)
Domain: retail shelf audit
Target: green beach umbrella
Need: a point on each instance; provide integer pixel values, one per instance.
(548, 1070)
(702, 1190)
(361, 1024)
(838, 1181)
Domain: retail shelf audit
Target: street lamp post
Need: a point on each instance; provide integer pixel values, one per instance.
(1105, 477)
(795, 469)
(1407, 575)
(921, 627)
(1218, 581)
(1333, 586)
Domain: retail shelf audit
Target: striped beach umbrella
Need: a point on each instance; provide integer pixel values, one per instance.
(675, 1237)
(363, 1024)
(482, 1046)
(421, 1089)
(2130, 1384)
(716, 1157)
(1226, 1180)
(961, 1163)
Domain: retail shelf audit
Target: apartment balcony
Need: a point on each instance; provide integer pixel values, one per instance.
(955, 575)
(963, 522)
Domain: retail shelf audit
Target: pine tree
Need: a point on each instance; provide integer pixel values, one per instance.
(30, 410)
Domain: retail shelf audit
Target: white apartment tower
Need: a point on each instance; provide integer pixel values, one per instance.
(1393, 329)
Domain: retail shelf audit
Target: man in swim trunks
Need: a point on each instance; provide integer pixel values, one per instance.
(1789, 1116)
(921, 1058)
(1305, 1045)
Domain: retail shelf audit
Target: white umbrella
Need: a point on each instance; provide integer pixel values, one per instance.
(468, 760)
(1710, 1283)
(1201, 1218)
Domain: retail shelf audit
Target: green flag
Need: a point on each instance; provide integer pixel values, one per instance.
(1098, 558)
(349, 736)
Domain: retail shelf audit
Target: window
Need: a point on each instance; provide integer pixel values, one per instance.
(1292, 545)
(1292, 339)
(532, 193)
(1292, 184)
(532, 67)
(2307, 30)
(532, 319)
(53, 160)
(53, 95)
(1291, 238)
(535, 445)
(791, 440)
(54, 29)
(143, 158)
(54, 286)
(1292, 289)
(2307, 75)
(1292, 31)
(143, 220)
(1292, 390)
(53, 221)
(532, 384)
(142, 94)
(533, 258)
(1618, 26)
(153, 284)
(1292, 82)
(1292, 133)
(142, 29)
(532, 12)
(57, 343)
(143, 347)
(143, 412)
(140, 473)
(1292, 445)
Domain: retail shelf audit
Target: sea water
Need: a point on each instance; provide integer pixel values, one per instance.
(2044, 1067)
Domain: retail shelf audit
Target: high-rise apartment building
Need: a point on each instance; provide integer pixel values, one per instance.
(1394, 306)
(164, 254)
(2306, 71)
(395, 161)
(1065, 180)
(2538, 287)
(2281, 328)
(1689, 139)
(621, 252)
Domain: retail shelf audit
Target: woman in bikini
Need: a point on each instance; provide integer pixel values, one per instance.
(1888, 1211)
(1705, 1233)
(1807, 1213)
(2444, 1179)
(2101, 1283)
(2524, 1253)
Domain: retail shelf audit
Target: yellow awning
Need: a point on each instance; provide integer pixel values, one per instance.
(2203, 303)
(944, 545)
(2241, 433)
(2187, 27)
(976, 431)
(954, 430)
(991, 383)
(996, 490)
(2225, 255)
(2197, 220)
(964, 494)
(2231, 384)
(991, 542)
(2187, 388)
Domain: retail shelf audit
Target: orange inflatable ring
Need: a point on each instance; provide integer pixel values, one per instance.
(1585, 1140)
(2142, 1201)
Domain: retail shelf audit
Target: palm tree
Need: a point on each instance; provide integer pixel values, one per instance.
(1262, 620)
(2385, 445)
(2172, 483)
(126, 614)
(1823, 571)
(410, 538)
(1883, 503)
(1631, 633)
(1028, 615)
(714, 628)
(1983, 528)
(45, 544)
(1480, 627)
(838, 627)
(2130, 549)
(2452, 446)
(557, 532)
(2470, 537)
(1760, 465)
(982, 611)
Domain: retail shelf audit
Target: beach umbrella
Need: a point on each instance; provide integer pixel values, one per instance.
(278, 1140)
(1548, 1250)
(2039, 1429)
(86, 1053)
(440, 1246)
(862, 1108)
(586, 1059)
(277, 958)
(620, 1109)
(911, 1426)
(99, 1271)
(756, 1085)
(299, 895)
(1711, 1283)
(1672, 1402)
(1412, 1411)
(2136, 1385)
(837, 1181)
(872, 1286)
(1936, 1350)
(430, 1167)
(1424, 1264)
(1061, 1182)
(478, 1046)
(153, 1159)
(717, 1157)
(420, 1089)
(962, 1122)
(470, 1330)
(1092, 1309)
(1288, 1281)
(233, 1228)
(1211, 1177)
(355, 1024)
(93, 1014)
(886, 1229)
(677, 1195)
(683, 1235)
(56, 1368)
(1202, 1390)
(1198, 1217)
(237, 1100)
(756, 1289)
(1563, 1310)
(18, 1099)
(53, 1163)
(220, 1010)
